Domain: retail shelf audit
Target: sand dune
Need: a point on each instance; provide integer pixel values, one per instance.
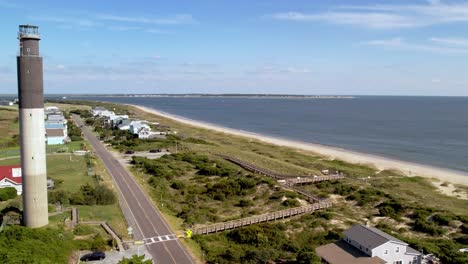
(381, 163)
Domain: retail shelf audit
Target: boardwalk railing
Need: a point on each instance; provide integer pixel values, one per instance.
(284, 178)
(203, 230)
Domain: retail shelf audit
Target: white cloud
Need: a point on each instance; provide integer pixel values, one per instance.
(66, 22)
(400, 44)
(123, 28)
(371, 20)
(461, 42)
(386, 16)
(272, 70)
(394, 42)
(158, 31)
(169, 20)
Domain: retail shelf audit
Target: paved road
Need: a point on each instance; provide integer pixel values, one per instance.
(139, 211)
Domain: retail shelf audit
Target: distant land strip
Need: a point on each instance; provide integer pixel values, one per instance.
(269, 96)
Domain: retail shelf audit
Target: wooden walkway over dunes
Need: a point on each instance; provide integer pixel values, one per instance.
(203, 230)
(282, 178)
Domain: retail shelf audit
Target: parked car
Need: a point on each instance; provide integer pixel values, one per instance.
(129, 152)
(93, 256)
(155, 150)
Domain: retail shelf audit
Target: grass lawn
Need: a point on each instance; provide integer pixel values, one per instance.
(9, 126)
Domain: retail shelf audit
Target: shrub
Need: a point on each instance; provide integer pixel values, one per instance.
(290, 203)
(135, 260)
(7, 193)
(176, 184)
(82, 230)
(89, 195)
(245, 203)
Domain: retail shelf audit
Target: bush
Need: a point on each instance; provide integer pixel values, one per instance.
(82, 230)
(177, 185)
(7, 193)
(291, 203)
(245, 203)
(89, 195)
(60, 196)
(307, 257)
(135, 260)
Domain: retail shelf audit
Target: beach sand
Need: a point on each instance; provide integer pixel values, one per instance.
(381, 163)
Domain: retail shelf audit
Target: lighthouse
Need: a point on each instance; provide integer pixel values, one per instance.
(32, 130)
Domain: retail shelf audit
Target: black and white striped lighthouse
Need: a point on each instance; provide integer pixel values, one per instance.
(32, 131)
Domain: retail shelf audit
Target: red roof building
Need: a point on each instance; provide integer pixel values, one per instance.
(10, 176)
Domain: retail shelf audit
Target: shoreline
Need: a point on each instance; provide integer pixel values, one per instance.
(381, 163)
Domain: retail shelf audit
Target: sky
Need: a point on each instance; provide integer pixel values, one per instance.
(213, 46)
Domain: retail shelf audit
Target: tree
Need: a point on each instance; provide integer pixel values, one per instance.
(307, 257)
(135, 260)
(7, 193)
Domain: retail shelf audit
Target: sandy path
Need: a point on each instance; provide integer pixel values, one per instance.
(381, 163)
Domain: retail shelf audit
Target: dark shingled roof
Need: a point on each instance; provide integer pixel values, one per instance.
(370, 237)
(54, 132)
(342, 253)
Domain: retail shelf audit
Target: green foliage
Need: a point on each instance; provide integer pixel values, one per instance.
(442, 219)
(82, 230)
(74, 132)
(427, 227)
(7, 193)
(43, 245)
(391, 208)
(81, 112)
(230, 187)
(307, 257)
(135, 260)
(176, 184)
(89, 195)
(98, 243)
(367, 196)
(59, 196)
(291, 203)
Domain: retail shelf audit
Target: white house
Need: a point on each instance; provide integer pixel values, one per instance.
(365, 244)
(136, 126)
(97, 110)
(10, 176)
(52, 108)
(144, 133)
(100, 111)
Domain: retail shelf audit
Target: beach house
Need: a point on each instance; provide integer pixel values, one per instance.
(10, 176)
(368, 245)
(55, 136)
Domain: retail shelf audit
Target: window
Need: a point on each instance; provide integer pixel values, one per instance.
(397, 249)
(386, 252)
(398, 262)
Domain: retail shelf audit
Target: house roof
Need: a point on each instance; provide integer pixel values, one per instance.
(370, 237)
(341, 252)
(54, 125)
(55, 133)
(12, 173)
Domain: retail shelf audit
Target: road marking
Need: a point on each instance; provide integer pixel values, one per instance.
(158, 239)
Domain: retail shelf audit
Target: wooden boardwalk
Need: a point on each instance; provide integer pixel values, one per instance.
(282, 178)
(203, 230)
(287, 181)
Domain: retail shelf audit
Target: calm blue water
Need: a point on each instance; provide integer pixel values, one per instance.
(426, 130)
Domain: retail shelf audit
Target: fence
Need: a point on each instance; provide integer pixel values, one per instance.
(203, 230)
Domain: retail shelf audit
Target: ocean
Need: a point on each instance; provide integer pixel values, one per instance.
(425, 130)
